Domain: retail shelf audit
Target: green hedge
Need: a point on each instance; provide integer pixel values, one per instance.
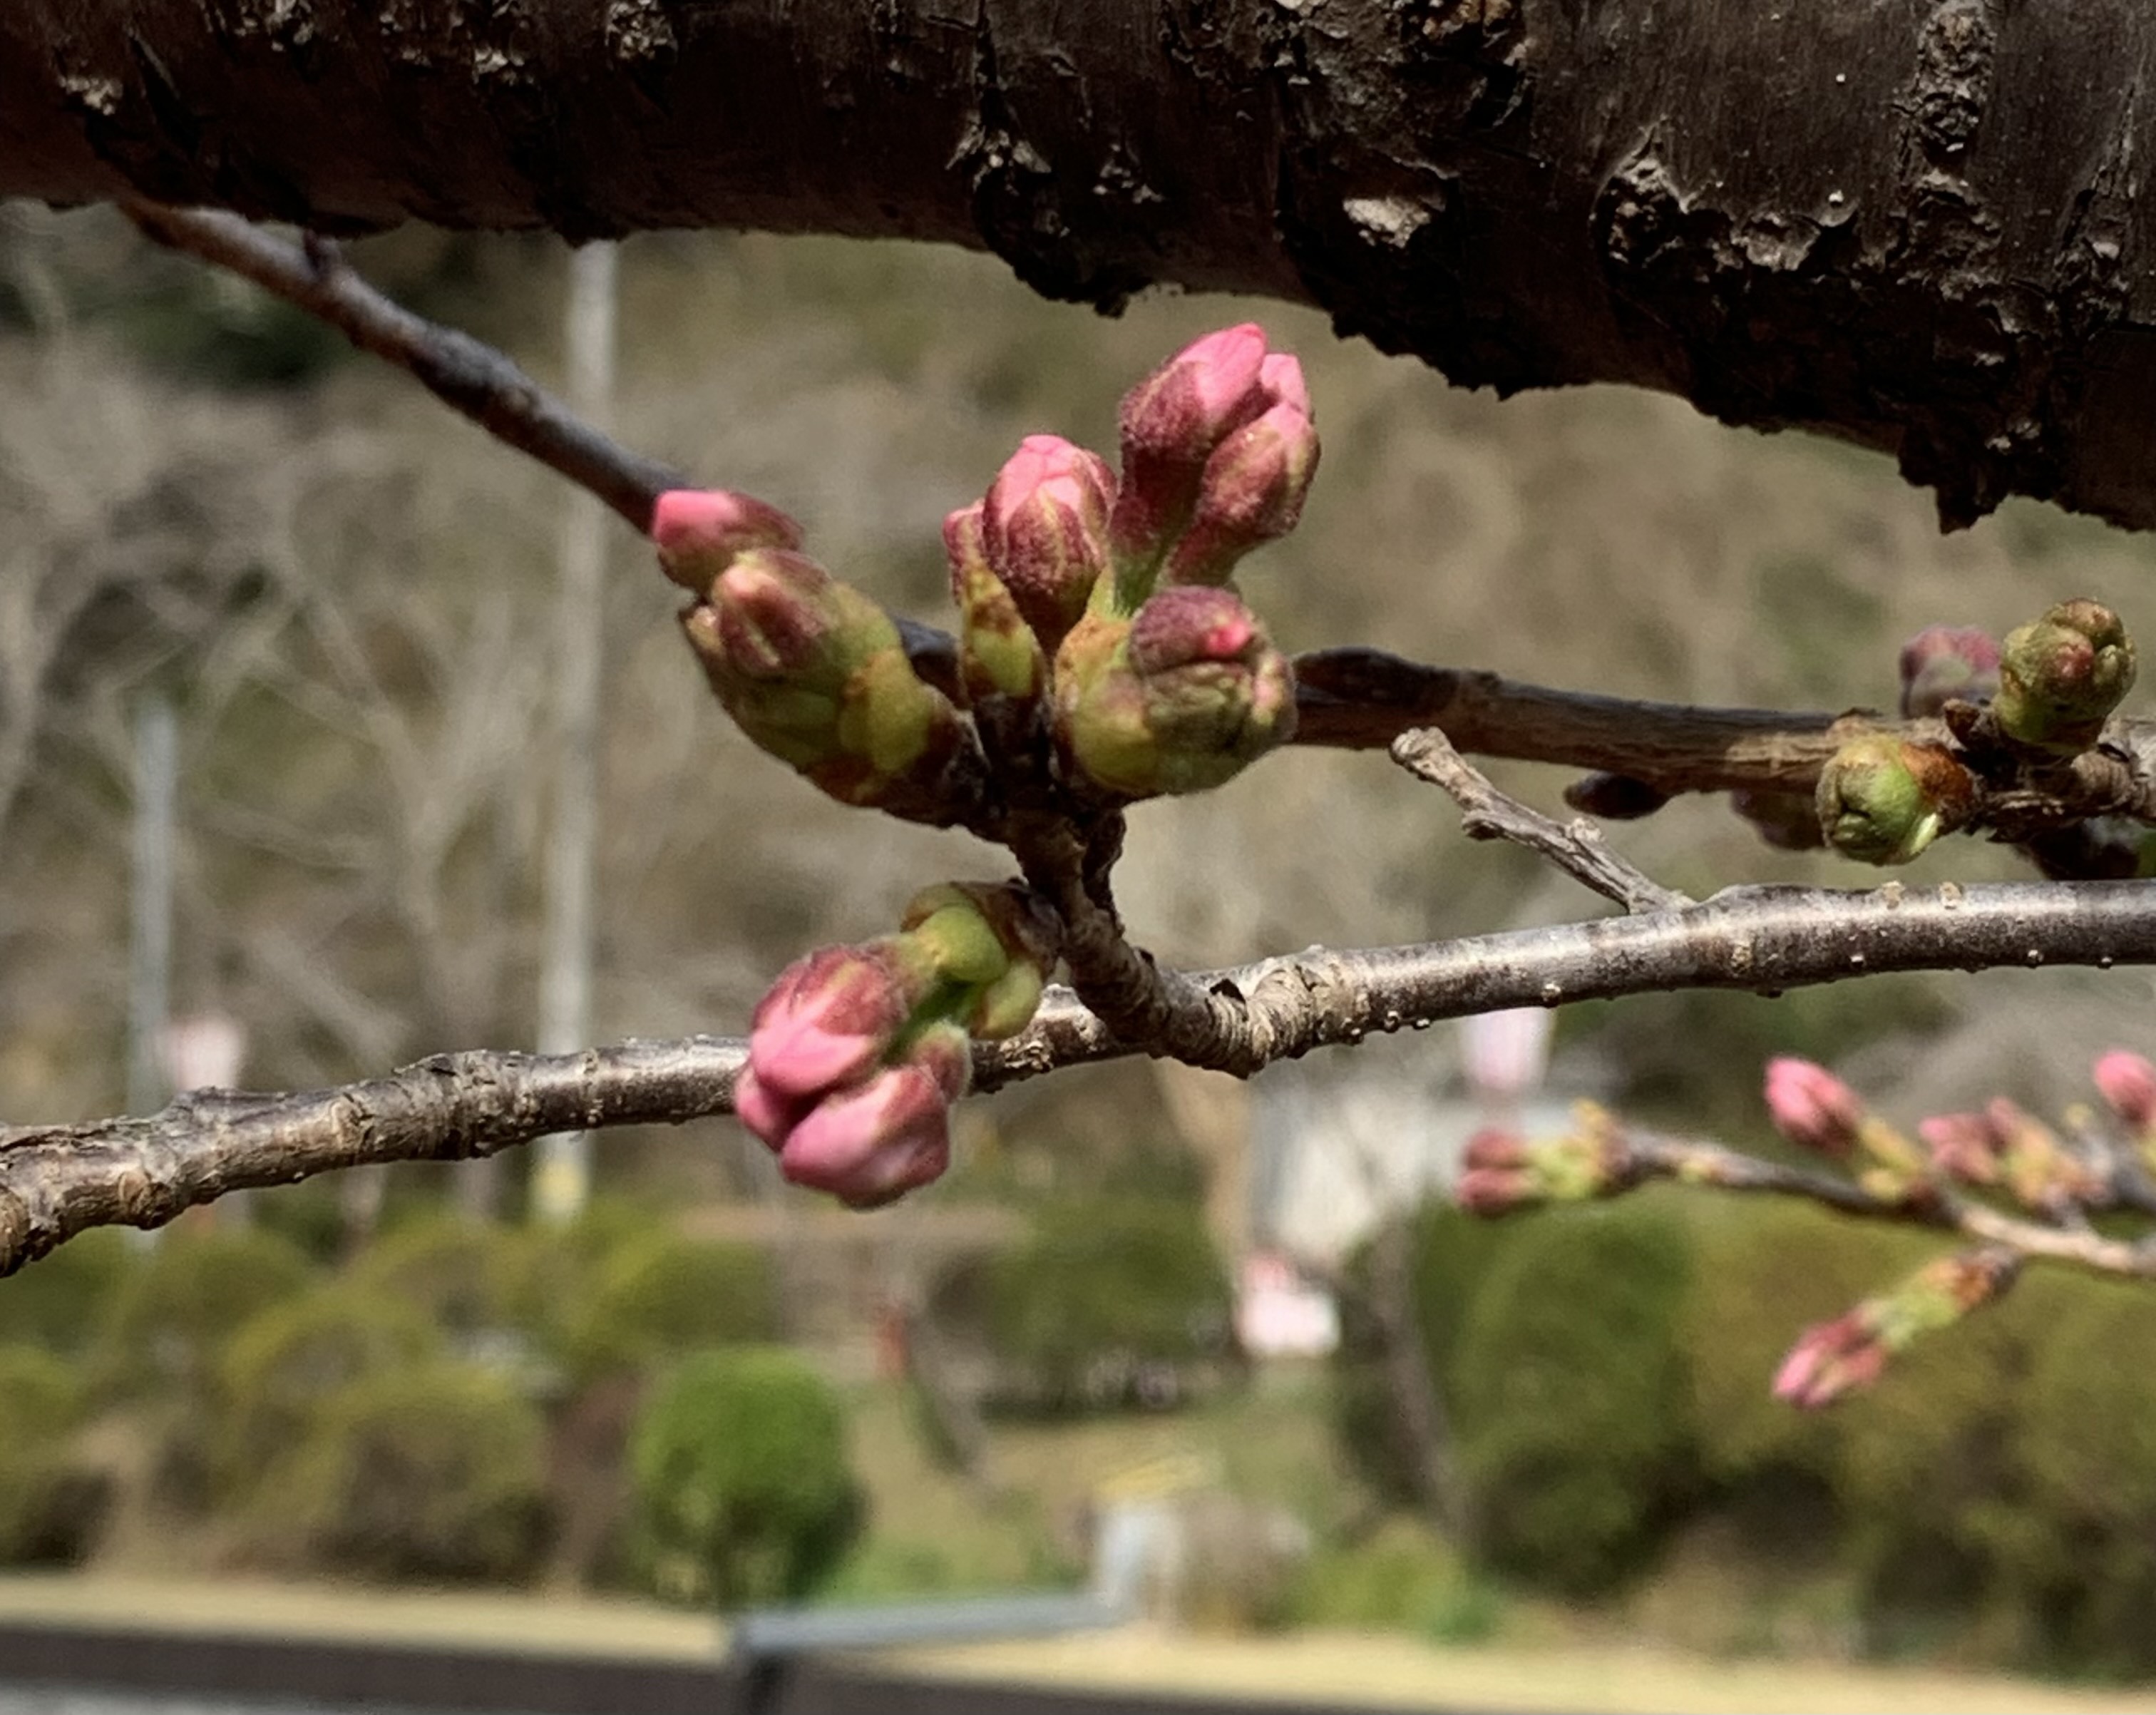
(1110, 1300)
(745, 1492)
(428, 1473)
(50, 1502)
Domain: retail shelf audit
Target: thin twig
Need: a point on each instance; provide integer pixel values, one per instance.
(1575, 847)
(1642, 1157)
(56, 1181)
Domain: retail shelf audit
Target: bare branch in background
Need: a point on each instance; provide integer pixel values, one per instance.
(1488, 813)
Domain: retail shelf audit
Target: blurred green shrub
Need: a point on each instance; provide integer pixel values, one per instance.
(658, 1295)
(436, 1471)
(455, 1270)
(1110, 1301)
(1403, 1578)
(50, 1502)
(744, 1491)
(1575, 1432)
(63, 1300)
(193, 1292)
(279, 1369)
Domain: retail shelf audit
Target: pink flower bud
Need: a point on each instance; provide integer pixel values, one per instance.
(698, 531)
(1491, 1147)
(2128, 1083)
(1045, 529)
(1810, 1106)
(1962, 1146)
(778, 615)
(877, 1140)
(829, 1018)
(1497, 1191)
(1172, 421)
(1943, 663)
(1251, 493)
(1830, 1359)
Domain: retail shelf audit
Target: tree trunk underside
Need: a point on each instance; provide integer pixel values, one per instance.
(1911, 223)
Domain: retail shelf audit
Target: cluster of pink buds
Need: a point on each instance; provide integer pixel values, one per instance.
(1101, 602)
(2008, 1147)
(1816, 1110)
(857, 1053)
(1835, 1358)
(1501, 1173)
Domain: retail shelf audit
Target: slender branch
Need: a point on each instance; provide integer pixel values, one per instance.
(469, 376)
(1360, 699)
(1642, 1157)
(56, 1181)
(1575, 847)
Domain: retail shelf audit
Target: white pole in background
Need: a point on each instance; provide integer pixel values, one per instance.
(562, 1171)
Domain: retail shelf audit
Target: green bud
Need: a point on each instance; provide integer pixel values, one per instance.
(813, 672)
(2061, 677)
(1882, 801)
(990, 949)
(999, 656)
(1181, 699)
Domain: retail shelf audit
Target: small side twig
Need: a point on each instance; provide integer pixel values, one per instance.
(1575, 847)
(1645, 1157)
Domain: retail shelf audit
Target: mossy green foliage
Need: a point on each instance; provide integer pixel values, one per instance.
(50, 1503)
(1107, 1300)
(744, 1491)
(193, 1292)
(280, 1371)
(436, 1471)
(659, 1294)
(62, 1301)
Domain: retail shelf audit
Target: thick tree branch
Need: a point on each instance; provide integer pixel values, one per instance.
(1575, 847)
(1914, 223)
(56, 1181)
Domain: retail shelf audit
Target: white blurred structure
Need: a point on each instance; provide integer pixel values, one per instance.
(1279, 1314)
(204, 1052)
(1337, 1142)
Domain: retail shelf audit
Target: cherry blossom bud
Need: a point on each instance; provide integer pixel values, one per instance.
(2061, 677)
(1962, 1146)
(1811, 1107)
(1491, 1147)
(1497, 1191)
(1253, 487)
(1181, 699)
(2128, 1083)
(1046, 531)
(2036, 1166)
(1837, 1358)
(1943, 664)
(813, 672)
(874, 1141)
(1882, 801)
(830, 1016)
(700, 530)
(999, 655)
(1172, 422)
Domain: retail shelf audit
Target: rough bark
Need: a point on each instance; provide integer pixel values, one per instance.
(1913, 223)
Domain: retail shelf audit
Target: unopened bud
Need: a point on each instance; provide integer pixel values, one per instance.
(877, 1140)
(1253, 487)
(2128, 1083)
(1172, 422)
(1962, 1146)
(1837, 1358)
(831, 1016)
(700, 530)
(814, 672)
(1811, 1107)
(2036, 1166)
(999, 655)
(1945, 664)
(1882, 801)
(1182, 699)
(1046, 531)
(2061, 677)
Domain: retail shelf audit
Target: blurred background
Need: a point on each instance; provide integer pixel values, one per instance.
(277, 642)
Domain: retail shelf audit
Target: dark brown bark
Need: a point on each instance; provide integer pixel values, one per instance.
(1910, 222)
